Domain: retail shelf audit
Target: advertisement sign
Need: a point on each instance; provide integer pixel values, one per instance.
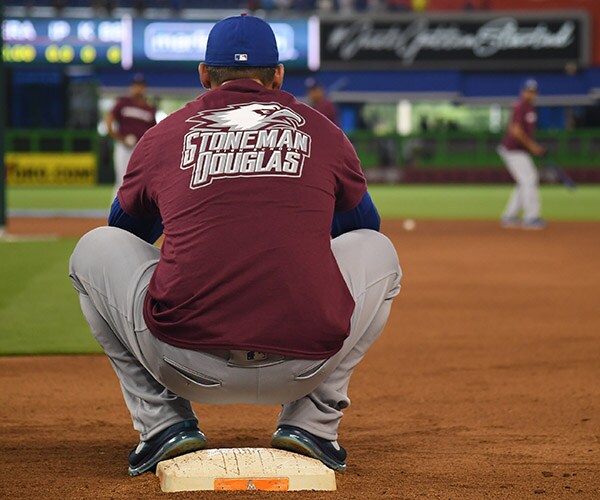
(472, 42)
(159, 43)
(63, 41)
(129, 43)
(35, 169)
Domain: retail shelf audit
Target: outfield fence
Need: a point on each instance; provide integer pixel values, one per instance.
(444, 156)
(453, 156)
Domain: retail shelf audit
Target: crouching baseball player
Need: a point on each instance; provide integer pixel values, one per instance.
(249, 299)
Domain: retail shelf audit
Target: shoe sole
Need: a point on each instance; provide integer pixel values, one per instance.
(304, 448)
(510, 224)
(174, 447)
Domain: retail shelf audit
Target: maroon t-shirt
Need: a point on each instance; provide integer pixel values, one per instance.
(246, 180)
(328, 109)
(134, 117)
(523, 114)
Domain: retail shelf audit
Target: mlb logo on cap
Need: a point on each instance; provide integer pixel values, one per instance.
(241, 57)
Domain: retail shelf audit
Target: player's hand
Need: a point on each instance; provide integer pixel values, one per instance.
(130, 140)
(537, 150)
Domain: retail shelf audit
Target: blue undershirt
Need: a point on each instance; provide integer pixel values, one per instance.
(149, 229)
(362, 216)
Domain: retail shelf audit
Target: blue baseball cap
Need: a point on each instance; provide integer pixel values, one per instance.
(138, 78)
(311, 82)
(530, 84)
(241, 41)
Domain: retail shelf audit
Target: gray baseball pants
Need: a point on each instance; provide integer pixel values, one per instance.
(111, 270)
(525, 196)
(121, 155)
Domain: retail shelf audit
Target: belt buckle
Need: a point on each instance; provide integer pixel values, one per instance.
(246, 358)
(256, 356)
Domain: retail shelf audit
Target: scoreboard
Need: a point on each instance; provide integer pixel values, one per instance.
(39, 41)
(128, 42)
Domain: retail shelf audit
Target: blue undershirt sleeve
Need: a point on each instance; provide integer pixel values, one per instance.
(363, 216)
(148, 229)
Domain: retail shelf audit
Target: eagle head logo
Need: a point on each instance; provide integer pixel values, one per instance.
(250, 116)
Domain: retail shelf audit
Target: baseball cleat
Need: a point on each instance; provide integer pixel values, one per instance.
(534, 224)
(179, 439)
(297, 440)
(510, 222)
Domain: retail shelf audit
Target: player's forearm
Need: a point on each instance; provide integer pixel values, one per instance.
(112, 131)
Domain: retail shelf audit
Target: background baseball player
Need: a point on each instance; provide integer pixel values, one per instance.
(249, 300)
(318, 99)
(127, 122)
(516, 150)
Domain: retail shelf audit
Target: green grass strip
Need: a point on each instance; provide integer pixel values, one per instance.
(39, 309)
(477, 202)
(60, 198)
(398, 201)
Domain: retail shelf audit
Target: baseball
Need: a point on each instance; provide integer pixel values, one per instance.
(130, 140)
(409, 224)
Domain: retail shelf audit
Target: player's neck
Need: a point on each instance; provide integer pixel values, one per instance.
(236, 79)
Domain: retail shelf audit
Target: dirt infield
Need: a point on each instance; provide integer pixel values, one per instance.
(483, 386)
